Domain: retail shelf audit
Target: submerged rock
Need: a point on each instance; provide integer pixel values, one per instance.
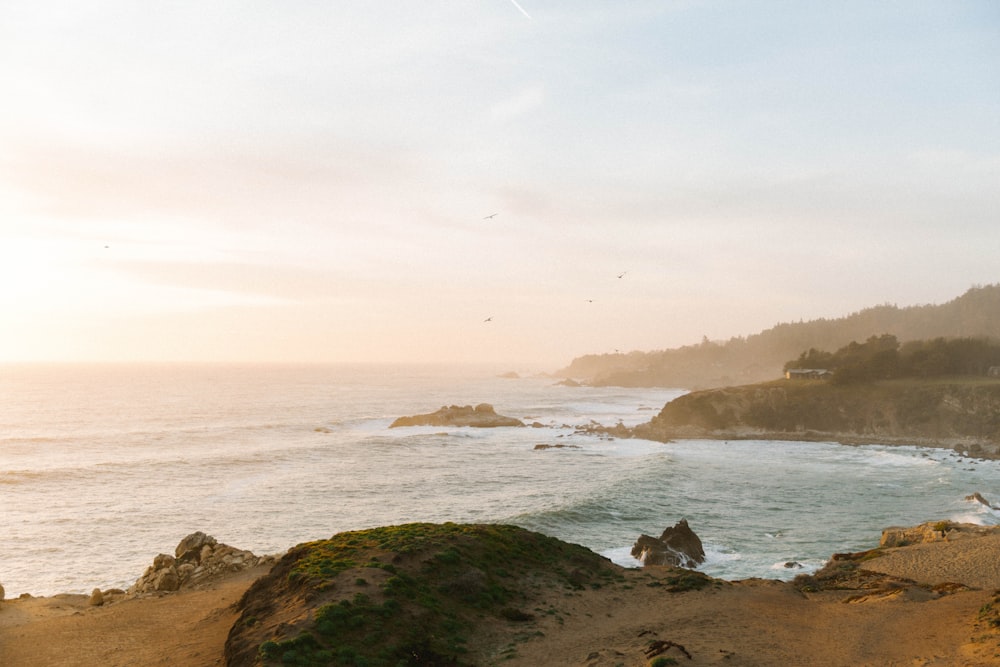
(481, 416)
(678, 546)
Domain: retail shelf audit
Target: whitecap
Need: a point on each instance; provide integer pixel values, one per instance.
(793, 566)
(720, 557)
(622, 556)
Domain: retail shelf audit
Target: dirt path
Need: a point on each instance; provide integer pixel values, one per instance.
(184, 629)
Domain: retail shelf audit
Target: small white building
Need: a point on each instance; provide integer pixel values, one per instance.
(807, 374)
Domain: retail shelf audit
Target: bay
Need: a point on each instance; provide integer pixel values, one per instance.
(103, 467)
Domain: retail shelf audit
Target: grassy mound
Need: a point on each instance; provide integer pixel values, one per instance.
(403, 595)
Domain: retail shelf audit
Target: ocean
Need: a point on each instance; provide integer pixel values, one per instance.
(103, 467)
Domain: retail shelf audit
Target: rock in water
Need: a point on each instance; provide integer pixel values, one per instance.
(678, 546)
(481, 416)
(978, 497)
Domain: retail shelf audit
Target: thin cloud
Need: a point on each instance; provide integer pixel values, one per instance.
(521, 9)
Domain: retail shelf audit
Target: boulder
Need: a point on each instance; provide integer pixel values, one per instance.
(480, 416)
(166, 580)
(192, 543)
(678, 546)
(200, 558)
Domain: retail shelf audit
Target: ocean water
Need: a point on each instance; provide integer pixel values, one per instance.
(103, 467)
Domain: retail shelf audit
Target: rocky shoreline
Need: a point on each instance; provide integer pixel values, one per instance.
(963, 416)
(935, 584)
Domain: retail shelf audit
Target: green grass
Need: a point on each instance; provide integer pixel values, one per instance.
(444, 580)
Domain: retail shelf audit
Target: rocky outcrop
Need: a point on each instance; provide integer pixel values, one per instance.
(960, 415)
(934, 531)
(978, 497)
(481, 416)
(197, 559)
(678, 546)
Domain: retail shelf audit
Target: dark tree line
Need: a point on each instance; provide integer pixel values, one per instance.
(759, 357)
(883, 358)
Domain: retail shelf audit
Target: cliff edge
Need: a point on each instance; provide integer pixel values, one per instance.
(962, 413)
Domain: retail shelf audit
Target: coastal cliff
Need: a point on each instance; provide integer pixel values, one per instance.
(960, 413)
(466, 594)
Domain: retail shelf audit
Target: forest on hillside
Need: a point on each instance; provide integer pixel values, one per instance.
(883, 358)
(762, 356)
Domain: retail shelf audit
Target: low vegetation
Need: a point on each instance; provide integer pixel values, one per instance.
(402, 595)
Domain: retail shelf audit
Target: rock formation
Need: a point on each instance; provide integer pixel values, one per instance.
(933, 531)
(960, 414)
(481, 416)
(197, 559)
(978, 497)
(678, 546)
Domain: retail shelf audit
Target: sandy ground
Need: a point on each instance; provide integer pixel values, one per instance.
(753, 622)
(183, 629)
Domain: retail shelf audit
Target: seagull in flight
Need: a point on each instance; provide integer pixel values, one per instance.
(490, 216)
(488, 319)
(622, 274)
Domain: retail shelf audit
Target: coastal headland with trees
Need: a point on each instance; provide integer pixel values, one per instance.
(463, 595)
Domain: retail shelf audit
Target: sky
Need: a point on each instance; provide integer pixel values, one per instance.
(483, 180)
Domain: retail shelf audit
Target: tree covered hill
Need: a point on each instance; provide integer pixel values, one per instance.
(760, 357)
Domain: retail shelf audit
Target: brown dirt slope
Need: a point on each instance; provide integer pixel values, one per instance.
(930, 604)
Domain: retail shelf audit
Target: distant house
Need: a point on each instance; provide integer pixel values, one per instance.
(994, 372)
(807, 374)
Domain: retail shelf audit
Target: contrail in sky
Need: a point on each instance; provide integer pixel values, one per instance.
(522, 9)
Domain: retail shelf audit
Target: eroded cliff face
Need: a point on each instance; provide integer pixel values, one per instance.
(961, 414)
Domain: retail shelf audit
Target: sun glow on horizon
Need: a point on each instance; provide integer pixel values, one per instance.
(319, 183)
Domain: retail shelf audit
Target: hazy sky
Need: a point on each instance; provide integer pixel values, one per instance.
(309, 181)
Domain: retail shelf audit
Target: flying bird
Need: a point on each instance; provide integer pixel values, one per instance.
(488, 319)
(622, 274)
(490, 216)
(521, 9)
